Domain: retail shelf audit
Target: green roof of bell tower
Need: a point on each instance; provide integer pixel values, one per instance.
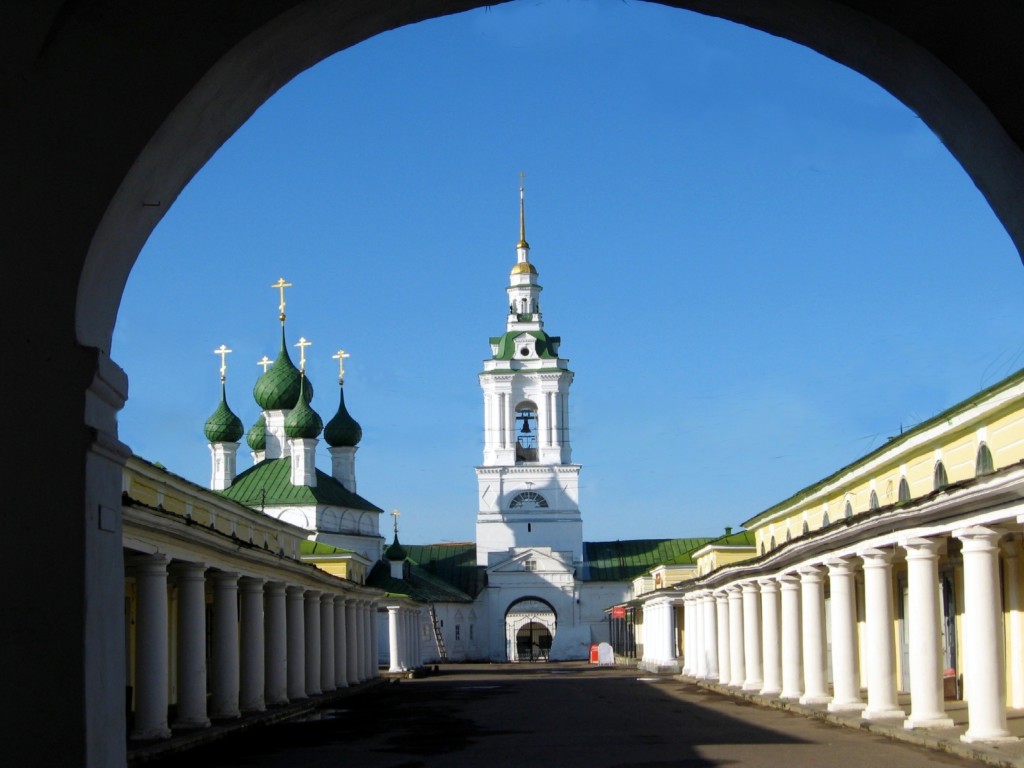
(277, 389)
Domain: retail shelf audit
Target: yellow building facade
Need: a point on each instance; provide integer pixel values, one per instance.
(899, 573)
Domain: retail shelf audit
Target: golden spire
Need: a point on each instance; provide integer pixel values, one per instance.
(522, 214)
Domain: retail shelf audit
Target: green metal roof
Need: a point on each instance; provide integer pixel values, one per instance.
(269, 484)
(417, 584)
(546, 345)
(223, 426)
(454, 564)
(625, 560)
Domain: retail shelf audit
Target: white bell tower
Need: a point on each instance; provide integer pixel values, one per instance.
(528, 486)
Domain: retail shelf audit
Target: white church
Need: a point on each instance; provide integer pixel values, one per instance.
(529, 588)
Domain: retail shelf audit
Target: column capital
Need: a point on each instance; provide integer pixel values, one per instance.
(750, 586)
(294, 590)
(313, 595)
(734, 590)
(790, 580)
(187, 570)
(327, 597)
(223, 577)
(394, 608)
(769, 584)
(251, 583)
(810, 574)
(876, 557)
(155, 563)
(274, 587)
(920, 547)
(340, 600)
(979, 538)
(842, 566)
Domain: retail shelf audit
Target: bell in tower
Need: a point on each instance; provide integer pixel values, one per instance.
(526, 436)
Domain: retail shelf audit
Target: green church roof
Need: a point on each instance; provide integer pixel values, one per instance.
(277, 388)
(342, 430)
(546, 346)
(257, 436)
(455, 564)
(625, 560)
(223, 426)
(269, 484)
(303, 422)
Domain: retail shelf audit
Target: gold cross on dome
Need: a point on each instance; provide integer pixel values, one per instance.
(281, 285)
(223, 351)
(302, 344)
(395, 513)
(340, 357)
(266, 362)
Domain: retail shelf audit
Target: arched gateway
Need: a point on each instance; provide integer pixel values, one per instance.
(530, 625)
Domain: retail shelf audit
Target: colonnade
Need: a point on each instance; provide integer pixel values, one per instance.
(271, 642)
(405, 651)
(766, 632)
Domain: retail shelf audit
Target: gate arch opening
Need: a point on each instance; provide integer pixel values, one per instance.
(530, 626)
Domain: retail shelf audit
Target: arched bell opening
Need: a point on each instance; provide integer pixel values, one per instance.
(526, 431)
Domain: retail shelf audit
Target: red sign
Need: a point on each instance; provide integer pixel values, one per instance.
(619, 612)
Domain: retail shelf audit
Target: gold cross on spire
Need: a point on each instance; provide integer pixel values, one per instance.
(302, 344)
(266, 362)
(395, 513)
(223, 351)
(340, 357)
(281, 285)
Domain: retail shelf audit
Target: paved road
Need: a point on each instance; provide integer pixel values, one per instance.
(560, 716)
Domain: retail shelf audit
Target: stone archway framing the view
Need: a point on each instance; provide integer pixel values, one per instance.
(530, 626)
(107, 113)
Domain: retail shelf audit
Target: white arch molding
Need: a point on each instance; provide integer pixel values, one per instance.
(85, 187)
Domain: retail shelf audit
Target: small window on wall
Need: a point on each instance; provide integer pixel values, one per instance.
(806, 528)
(872, 502)
(983, 464)
(528, 500)
(530, 565)
(824, 520)
(762, 547)
(904, 494)
(848, 510)
(458, 631)
(940, 480)
(470, 631)
(789, 536)
(772, 544)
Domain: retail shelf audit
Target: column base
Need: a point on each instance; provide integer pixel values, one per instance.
(846, 706)
(791, 695)
(149, 734)
(771, 692)
(928, 722)
(998, 737)
(815, 698)
(883, 714)
(753, 686)
(253, 707)
(192, 723)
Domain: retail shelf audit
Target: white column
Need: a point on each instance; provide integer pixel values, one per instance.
(191, 581)
(295, 603)
(275, 656)
(252, 682)
(373, 660)
(312, 633)
(417, 636)
(710, 633)
(754, 678)
(792, 638)
(327, 642)
(812, 604)
(151, 676)
(1011, 570)
(845, 679)
(393, 631)
(770, 637)
(352, 642)
(724, 659)
(983, 636)
(737, 661)
(924, 622)
(224, 656)
(689, 660)
(698, 640)
(340, 644)
(880, 652)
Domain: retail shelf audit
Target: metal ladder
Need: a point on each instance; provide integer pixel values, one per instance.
(438, 638)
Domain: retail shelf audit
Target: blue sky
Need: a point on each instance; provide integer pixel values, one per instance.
(761, 265)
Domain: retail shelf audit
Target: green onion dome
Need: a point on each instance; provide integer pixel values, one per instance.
(395, 553)
(257, 435)
(277, 389)
(342, 430)
(303, 422)
(223, 426)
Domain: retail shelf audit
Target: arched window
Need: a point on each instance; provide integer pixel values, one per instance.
(873, 501)
(848, 510)
(762, 547)
(806, 528)
(526, 431)
(772, 544)
(528, 500)
(825, 520)
(939, 479)
(789, 536)
(983, 464)
(904, 494)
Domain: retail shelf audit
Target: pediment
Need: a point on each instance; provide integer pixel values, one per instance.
(530, 560)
